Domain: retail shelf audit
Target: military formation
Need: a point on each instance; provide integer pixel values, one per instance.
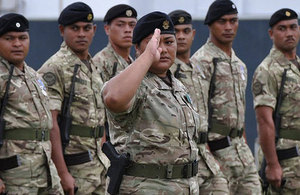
(164, 122)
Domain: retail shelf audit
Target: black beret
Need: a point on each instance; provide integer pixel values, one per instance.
(76, 12)
(121, 10)
(282, 14)
(13, 22)
(180, 17)
(218, 9)
(148, 23)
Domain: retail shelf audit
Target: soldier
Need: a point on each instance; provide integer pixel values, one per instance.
(282, 159)
(71, 73)
(154, 110)
(190, 75)
(226, 76)
(25, 149)
(120, 21)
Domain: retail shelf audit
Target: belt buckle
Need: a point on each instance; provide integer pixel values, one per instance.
(43, 135)
(169, 171)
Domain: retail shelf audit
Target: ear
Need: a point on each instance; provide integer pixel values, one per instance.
(61, 30)
(270, 31)
(137, 50)
(194, 32)
(107, 29)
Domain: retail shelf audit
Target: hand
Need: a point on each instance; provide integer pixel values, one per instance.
(274, 174)
(2, 187)
(153, 45)
(68, 183)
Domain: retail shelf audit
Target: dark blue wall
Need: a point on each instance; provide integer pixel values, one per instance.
(251, 45)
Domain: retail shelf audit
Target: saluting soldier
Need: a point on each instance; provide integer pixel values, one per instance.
(25, 156)
(282, 159)
(190, 75)
(226, 76)
(85, 163)
(120, 21)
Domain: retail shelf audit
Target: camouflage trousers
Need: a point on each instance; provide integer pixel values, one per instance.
(34, 176)
(146, 186)
(89, 177)
(291, 173)
(210, 178)
(237, 163)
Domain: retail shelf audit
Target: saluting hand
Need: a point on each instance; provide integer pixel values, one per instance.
(153, 46)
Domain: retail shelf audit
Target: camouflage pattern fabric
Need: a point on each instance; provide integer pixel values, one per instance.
(27, 107)
(265, 86)
(106, 59)
(87, 109)
(191, 76)
(161, 128)
(228, 104)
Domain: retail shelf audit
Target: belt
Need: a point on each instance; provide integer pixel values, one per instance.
(293, 134)
(78, 158)
(27, 134)
(155, 171)
(216, 127)
(84, 131)
(9, 162)
(284, 154)
(219, 144)
(202, 138)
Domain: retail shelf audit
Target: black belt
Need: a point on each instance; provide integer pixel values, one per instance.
(155, 171)
(9, 162)
(219, 144)
(284, 154)
(78, 158)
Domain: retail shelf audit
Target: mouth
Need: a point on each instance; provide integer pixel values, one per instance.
(228, 35)
(17, 52)
(164, 59)
(81, 42)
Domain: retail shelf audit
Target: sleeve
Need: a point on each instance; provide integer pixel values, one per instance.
(264, 88)
(53, 78)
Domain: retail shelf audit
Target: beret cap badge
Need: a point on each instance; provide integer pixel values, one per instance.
(90, 17)
(166, 24)
(18, 25)
(181, 19)
(128, 13)
(288, 14)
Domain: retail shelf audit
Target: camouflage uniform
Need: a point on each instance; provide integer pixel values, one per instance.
(266, 83)
(161, 128)
(107, 59)
(27, 114)
(228, 112)
(191, 76)
(87, 110)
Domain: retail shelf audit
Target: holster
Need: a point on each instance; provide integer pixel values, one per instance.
(284, 154)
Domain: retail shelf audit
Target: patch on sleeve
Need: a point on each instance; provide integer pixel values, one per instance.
(50, 78)
(257, 88)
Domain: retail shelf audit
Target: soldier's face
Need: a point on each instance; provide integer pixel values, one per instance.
(167, 56)
(184, 35)
(285, 35)
(223, 30)
(78, 36)
(120, 31)
(14, 47)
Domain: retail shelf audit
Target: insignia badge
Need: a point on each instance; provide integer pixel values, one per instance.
(257, 88)
(233, 6)
(181, 20)
(90, 17)
(18, 25)
(50, 78)
(42, 86)
(166, 24)
(128, 13)
(288, 14)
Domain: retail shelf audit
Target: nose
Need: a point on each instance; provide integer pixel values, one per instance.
(81, 32)
(17, 42)
(228, 26)
(179, 35)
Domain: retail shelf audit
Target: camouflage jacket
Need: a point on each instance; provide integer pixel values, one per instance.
(27, 108)
(87, 108)
(191, 76)
(110, 62)
(265, 87)
(228, 101)
(160, 126)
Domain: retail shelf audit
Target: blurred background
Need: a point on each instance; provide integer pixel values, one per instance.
(251, 45)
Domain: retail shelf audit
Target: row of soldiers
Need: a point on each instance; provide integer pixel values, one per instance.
(177, 120)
